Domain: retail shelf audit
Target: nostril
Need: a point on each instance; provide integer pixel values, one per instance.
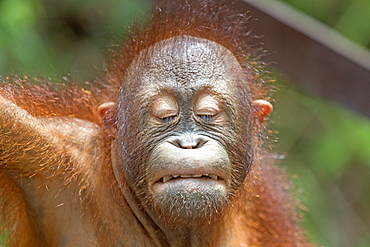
(189, 145)
(200, 143)
(184, 144)
(189, 142)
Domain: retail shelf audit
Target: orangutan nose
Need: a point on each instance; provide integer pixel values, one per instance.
(189, 141)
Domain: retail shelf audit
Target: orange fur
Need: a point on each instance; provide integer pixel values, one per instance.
(16, 219)
(56, 164)
(43, 98)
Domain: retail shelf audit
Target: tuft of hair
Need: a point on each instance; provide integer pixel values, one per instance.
(41, 97)
(212, 20)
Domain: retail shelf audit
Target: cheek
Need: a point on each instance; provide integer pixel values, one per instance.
(133, 156)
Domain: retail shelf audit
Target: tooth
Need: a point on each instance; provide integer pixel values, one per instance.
(197, 175)
(214, 177)
(206, 175)
(166, 179)
(175, 176)
(186, 176)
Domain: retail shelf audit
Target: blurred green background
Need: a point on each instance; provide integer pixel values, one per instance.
(327, 145)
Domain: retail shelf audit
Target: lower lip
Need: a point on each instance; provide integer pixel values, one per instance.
(189, 184)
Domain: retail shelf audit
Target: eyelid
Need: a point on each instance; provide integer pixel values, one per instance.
(164, 113)
(164, 106)
(211, 111)
(207, 104)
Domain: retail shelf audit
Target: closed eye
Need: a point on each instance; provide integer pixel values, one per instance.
(206, 118)
(168, 119)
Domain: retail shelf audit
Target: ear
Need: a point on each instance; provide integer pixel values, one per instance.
(108, 115)
(262, 108)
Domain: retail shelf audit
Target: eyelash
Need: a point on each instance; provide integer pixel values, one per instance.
(168, 119)
(206, 118)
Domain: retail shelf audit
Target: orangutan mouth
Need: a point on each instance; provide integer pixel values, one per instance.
(172, 177)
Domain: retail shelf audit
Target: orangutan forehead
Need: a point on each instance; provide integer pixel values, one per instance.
(185, 62)
(186, 51)
(188, 48)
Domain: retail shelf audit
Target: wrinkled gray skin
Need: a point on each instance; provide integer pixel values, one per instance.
(184, 144)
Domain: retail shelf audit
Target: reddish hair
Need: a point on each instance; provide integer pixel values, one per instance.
(211, 20)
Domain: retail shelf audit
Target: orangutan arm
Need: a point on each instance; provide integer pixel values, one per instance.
(31, 144)
(24, 140)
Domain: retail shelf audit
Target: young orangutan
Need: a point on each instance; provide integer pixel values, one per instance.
(167, 151)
